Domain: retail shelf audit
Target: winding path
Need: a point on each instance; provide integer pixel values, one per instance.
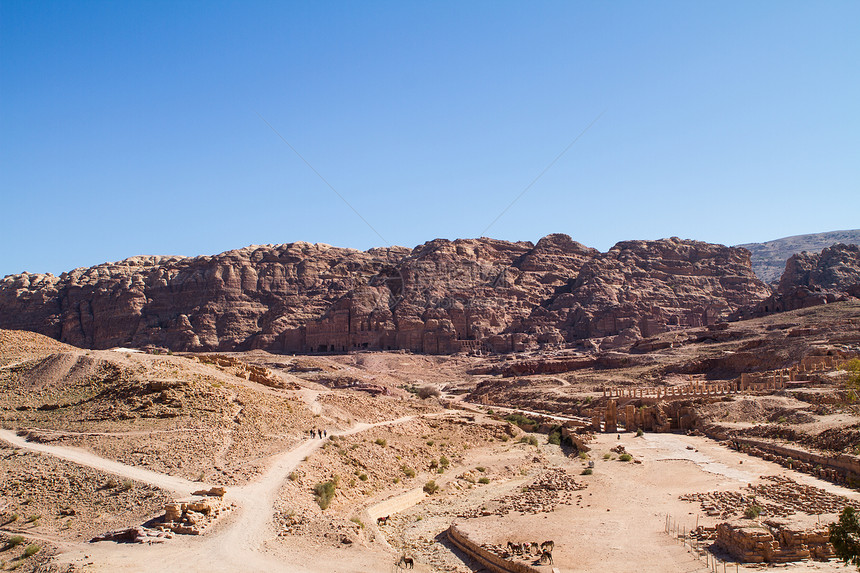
(237, 545)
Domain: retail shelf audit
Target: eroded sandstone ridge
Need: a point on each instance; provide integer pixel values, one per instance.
(811, 279)
(440, 297)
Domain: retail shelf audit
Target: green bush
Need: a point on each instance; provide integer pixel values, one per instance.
(587, 472)
(15, 541)
(583, 455)
(554, 438)
(444, 462)
(625, 457)
(324, 493)
(430, 487)
(484, 480)
(752, 511)
(381, 442)
(363, 477)
(520, 420)
(607, 455)
(357, 521)
(407, 471)
(640, 433)
(481, 469)
(31, 550)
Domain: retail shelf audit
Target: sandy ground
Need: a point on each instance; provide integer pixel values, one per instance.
(619, 524)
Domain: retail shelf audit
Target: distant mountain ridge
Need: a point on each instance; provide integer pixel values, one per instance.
(769, 258)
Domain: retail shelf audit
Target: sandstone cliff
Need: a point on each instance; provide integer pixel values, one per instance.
(811, 279)
(440, 297)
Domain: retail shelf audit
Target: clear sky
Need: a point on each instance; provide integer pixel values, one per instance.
(133, 128)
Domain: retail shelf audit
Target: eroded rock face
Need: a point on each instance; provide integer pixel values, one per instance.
(441, 297)
(811, 279)
(642, 288)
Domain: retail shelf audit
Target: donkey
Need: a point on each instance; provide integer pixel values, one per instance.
(382, 520)
(546, 557)
(406, 562)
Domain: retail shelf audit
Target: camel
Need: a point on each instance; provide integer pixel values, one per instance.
(406, 562)
(546, 557)
(382, 520)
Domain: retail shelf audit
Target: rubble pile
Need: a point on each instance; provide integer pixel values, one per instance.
(773, 542)
(193, 516)
(552, 488)
(777, 496)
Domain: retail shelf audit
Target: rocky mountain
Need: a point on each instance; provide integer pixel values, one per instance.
(811, 279)
(769, 258)
(440, 297)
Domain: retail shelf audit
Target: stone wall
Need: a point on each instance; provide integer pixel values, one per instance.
(486, 558)
(773, 542)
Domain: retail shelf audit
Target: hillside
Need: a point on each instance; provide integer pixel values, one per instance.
(768, 258)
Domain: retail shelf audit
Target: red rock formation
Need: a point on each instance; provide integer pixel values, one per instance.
(441, 297)
(811, 279)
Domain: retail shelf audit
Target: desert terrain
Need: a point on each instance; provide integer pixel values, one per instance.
(291, 463)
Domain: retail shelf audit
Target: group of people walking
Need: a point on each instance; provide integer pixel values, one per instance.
(315, 433)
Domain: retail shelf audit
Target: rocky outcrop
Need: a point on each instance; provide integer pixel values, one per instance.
(812, 279)
(642, 288)
(441, 297)
(769, 258)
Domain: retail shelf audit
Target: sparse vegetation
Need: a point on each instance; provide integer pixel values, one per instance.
(481, 469)
(430, 487)
(14, 541)
(752, 511)
(407, 471)
(520, 420)
(31, 550)
(357, 521)
(640, 432)
(531, 440)
(381, 442)
(127, 485)
(845, 537)
(587, 472)
(324, 492)
(607, 456)
(444, 462)
(362, 477)
(484, 480)
(428, 392)
(625, 457)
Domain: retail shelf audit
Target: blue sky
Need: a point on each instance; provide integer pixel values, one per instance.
(133, 128)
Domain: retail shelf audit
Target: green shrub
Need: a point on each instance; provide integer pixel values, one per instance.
(293, 476)
(430, 442)
(583, 455)
(607, 455)
(640, 433)
(520, 420)
(111, 483)
(444, 462)
(430, 487)
(587, 472)
(381, 442)
(324, 493)
(363, 477)
(127, 484)
(357, 521)
(15, 541)
(752, 511)
(481, 469)
(554, 438)
(33, 518)
(407, 471)
(484, 480)
(31, 550)
(625, 457)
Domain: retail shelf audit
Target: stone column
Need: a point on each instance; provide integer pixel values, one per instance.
(610, 417)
